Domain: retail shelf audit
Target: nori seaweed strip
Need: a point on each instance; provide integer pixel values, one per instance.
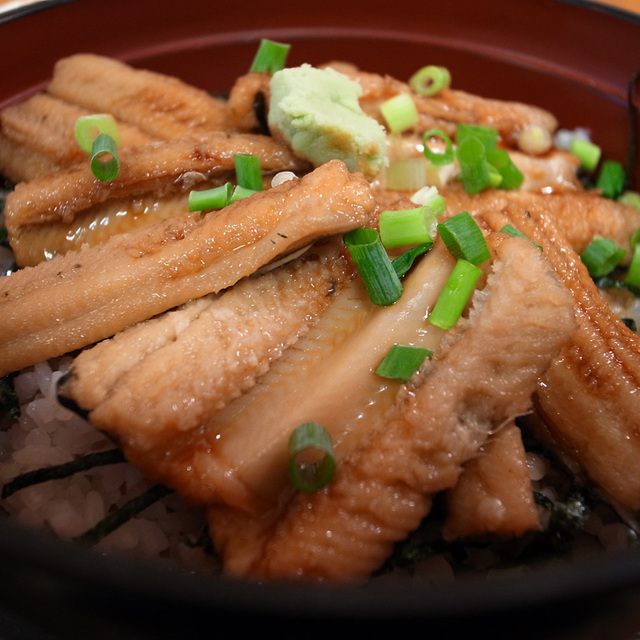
(9, 403)
(607, 282)
(64, 470)
(124, 513)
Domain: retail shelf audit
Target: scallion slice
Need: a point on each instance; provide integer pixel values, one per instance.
(512, 231)
(88, 128)
(374, 266)
(487, 136)
(248, 173)
(270, 57)
(407, 226)
(611, 179)
(455, 294)
(475, 170)
(405, 260)
(429, 197)
(587, 152)
(447, 156)
(402, 361)
(408, 174)
(633, 273)
(602, 256)
(216, 198)
(464, 238)
(430, 80)
(631, 198)
(510, 176)
(104, 158)
(400, 112)
(311, 459)
(240, 192)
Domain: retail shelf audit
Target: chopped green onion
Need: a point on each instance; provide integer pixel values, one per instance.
(429, 197)
(104, 158)
(248, 173)
(88, 128)
(512, 231)
(216, 198)
(633, 273)
(635, 238)
(407, 174)
(475, 170)
(270, 57)
(602, 256)
(631, 198)
(374, 266)
(487, 136)
(611, 179)
(408, 226)
(400, 112)
(535, 140)
(240, 192)
(587, 152)
(439, 157)
(430, 80)
(455, 294)
(511, 176)
(405, 260)
(310, 438)
(464, 238)
(402, 361)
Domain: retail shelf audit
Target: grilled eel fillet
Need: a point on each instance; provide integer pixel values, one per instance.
(163, 377)
(163, 168)
(442, 111)
(87, 295)
(42, 129)
(588, 398)
(482, 377)
(159, 105)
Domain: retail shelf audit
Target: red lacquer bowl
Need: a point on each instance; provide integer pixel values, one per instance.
(573, 58)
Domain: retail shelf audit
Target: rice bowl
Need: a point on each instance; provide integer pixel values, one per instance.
(199, 595)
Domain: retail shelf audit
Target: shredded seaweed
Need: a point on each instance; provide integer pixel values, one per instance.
(123, 514)
(607, 282)
(9, 402)
(64, 470)
(566, 520)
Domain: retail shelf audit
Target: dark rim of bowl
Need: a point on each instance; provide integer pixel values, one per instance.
(43, 555)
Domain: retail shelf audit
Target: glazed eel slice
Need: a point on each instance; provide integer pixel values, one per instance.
(160, 105)
(577, 216)
(238, 454)
(163, 377)
(481, 378)
(163, 168)
(588, 399)
(84, 296)
(41, 128)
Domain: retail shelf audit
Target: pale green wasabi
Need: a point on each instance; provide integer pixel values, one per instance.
(317, 112)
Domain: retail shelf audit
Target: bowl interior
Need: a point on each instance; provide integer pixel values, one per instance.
(504, 50)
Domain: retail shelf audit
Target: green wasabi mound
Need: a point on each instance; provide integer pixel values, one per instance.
(317, 112)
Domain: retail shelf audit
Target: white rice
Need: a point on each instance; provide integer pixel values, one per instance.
(49, 434)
